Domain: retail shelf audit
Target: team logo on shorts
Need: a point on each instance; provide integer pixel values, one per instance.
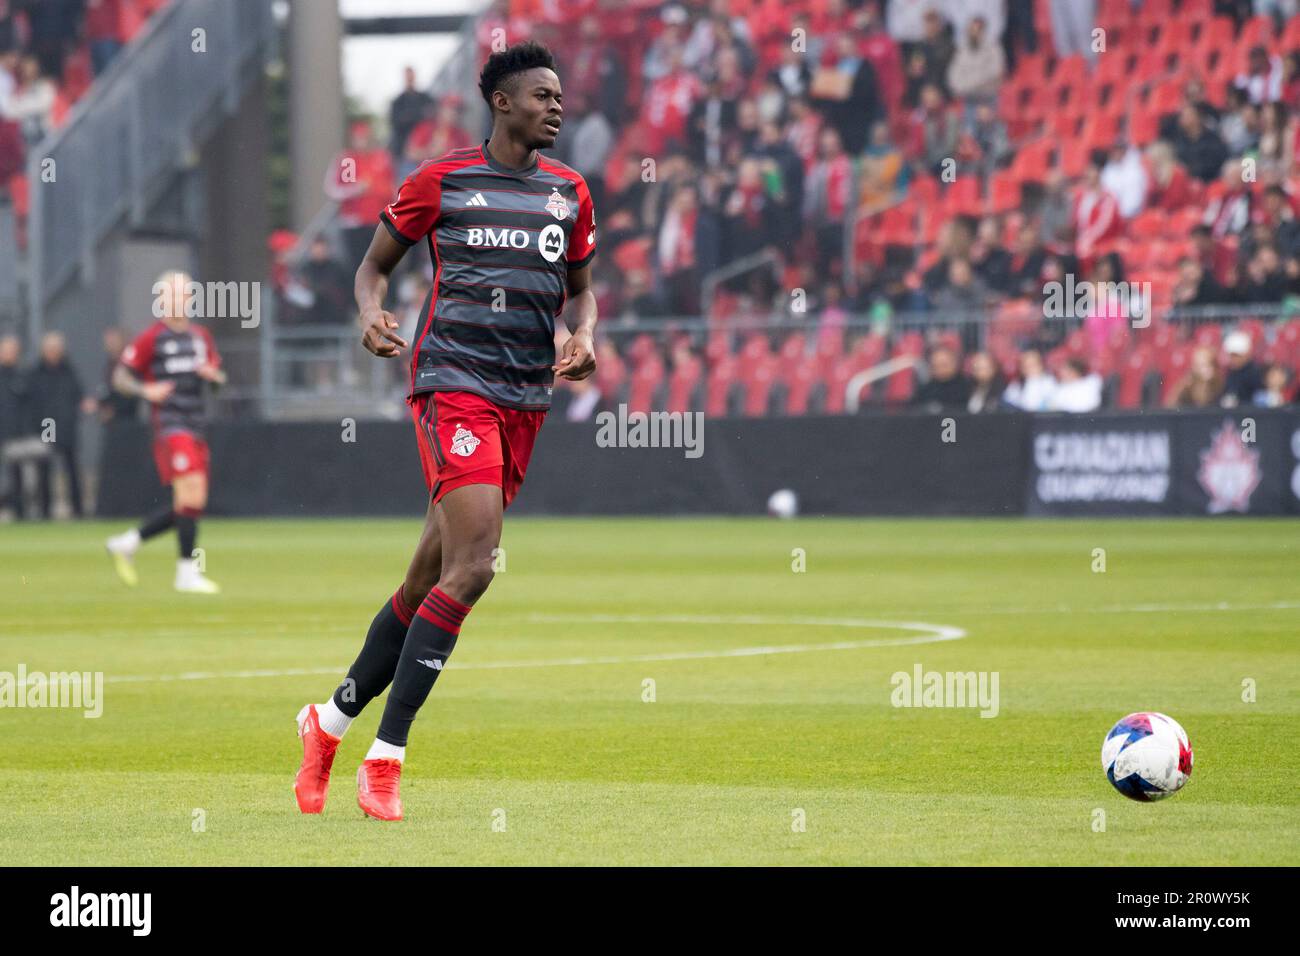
(180, 461)
(556, 205)
(463, 442)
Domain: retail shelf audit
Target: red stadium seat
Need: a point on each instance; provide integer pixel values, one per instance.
(793, 349)
(1257, 31)
(1210, 335)
(1132, 375)
(1004, 192)
(963, 197)
(682, 383)
(1149, 224)
(1113, 13)
(722, 377)
(1033, 160)
(799, 379)
(758, 380)
(1143, 128)
(1291, 34)
(1100, 131)
(646, 379)
(1155, 11)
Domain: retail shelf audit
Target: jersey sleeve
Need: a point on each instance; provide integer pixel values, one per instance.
(138, 356)
(582, 243)
(413, 214)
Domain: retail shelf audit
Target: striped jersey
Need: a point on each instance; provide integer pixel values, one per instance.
(161, 354)
(502, 242)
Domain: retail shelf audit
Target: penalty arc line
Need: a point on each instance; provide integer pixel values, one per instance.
(930, 634)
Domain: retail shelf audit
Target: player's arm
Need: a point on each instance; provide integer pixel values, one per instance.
(378, 327)
(125, 382)
(578, 355)
(211, 370)
(408, 218)
(129, 375)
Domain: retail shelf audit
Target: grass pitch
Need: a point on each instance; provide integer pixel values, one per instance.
(546, 742)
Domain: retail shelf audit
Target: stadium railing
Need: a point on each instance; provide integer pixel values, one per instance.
(753, 366)
(137, 127)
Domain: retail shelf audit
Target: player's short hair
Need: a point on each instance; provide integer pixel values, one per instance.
(501, 67)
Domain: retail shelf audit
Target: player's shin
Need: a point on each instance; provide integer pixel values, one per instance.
(156, 524)
(429, 643)
(373, 669)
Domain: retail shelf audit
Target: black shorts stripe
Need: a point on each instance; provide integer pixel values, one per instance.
(431, 431)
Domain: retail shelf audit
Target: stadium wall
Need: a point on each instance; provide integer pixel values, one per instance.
(1186, 463)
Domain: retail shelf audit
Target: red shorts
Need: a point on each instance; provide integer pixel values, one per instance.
(179, 453)
(466, 439)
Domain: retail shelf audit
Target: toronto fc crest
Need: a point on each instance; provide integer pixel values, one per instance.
(463, 442)
(556, 205)
(1229, 471)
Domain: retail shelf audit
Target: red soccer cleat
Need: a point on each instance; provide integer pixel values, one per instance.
(377, 789)
(313, 780)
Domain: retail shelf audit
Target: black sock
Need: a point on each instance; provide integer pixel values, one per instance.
(187, 531)
(157, 524)
(429, 643)
(373, 669)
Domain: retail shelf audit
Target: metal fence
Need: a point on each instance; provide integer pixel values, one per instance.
(312, 371)
(139, 124)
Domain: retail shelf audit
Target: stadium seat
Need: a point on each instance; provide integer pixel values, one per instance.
(1113, 13)
(1004, 192)
(1033, 160)
(799, 382)
(645, 381)
(1208, 335)
(757, 380)
(718, 387)
(1257, 31)
(1132, 376)
(962, 197)
(1101, 131)
(682, 384)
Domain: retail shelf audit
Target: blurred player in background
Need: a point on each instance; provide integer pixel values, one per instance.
(169, 366)
(512, 235)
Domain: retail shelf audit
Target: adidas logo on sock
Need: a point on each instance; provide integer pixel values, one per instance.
(477, 200)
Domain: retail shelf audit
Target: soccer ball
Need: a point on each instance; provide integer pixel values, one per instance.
(783, 504)
(1147, 756)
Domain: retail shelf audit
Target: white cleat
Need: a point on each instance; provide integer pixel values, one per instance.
(121, 548)
(190, 580)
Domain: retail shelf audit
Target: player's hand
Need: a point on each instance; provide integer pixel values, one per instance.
(210, 373)
(577, 357)
(378, 335)
(155, 392)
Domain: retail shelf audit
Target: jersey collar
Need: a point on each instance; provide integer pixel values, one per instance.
(506, 170)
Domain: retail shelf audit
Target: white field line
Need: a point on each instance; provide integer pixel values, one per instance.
(323, 627)
(928, 634)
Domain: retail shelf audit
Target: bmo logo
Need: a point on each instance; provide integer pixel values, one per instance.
(497, 238)
(550, 241)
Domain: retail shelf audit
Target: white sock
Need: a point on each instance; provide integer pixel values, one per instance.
(187, 567)
(384, 751)
(127, 540)
(332, 720)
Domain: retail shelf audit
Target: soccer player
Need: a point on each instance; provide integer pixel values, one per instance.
(512, 237)
(169, 366)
